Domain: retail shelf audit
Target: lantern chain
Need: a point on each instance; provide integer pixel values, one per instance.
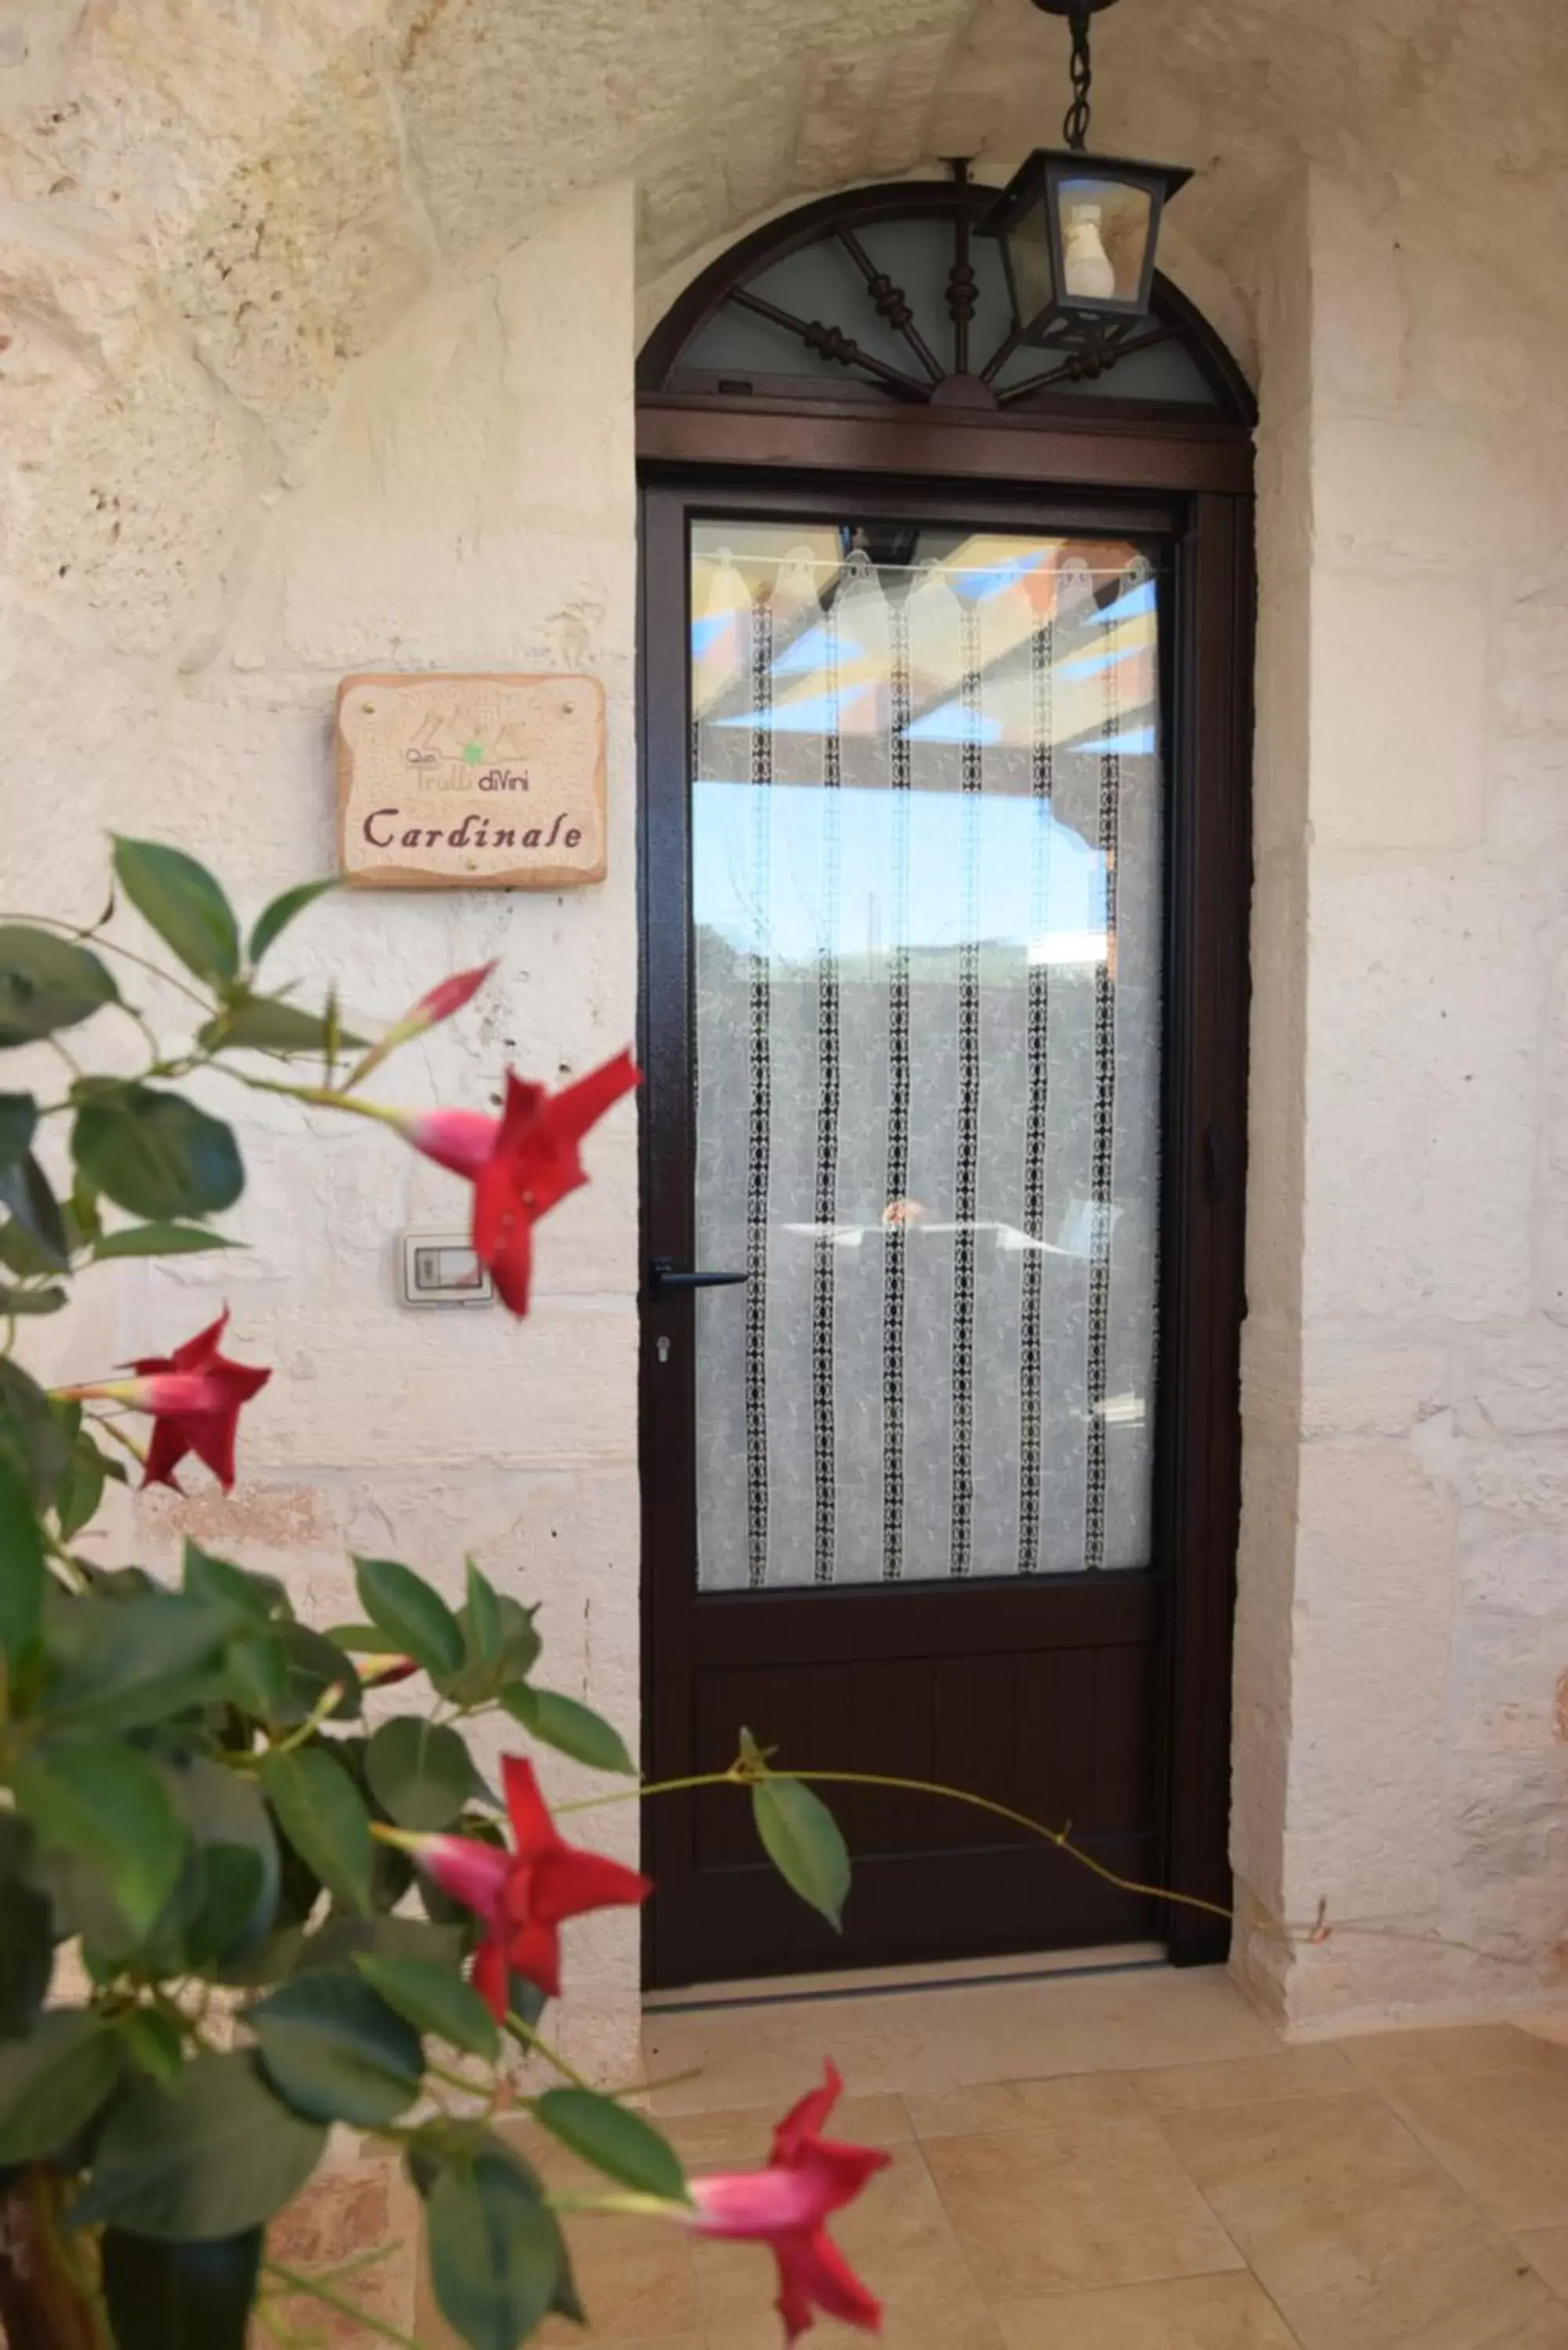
(1075, 122)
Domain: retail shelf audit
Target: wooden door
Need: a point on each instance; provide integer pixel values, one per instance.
(943, 890)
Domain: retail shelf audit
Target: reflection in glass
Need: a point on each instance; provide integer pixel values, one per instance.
(926, 891)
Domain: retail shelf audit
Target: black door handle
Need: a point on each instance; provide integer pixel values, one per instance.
(667, 1279)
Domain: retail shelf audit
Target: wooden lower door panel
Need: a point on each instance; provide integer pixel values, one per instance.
(1056, 1716)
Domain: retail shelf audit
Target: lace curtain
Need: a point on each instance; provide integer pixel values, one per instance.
(927, 896)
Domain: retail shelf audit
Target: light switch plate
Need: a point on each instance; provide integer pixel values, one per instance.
(441, 1269)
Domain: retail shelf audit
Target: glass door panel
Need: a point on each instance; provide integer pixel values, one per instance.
(927, 876)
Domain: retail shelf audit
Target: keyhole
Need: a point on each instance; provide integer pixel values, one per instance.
(661, 1349)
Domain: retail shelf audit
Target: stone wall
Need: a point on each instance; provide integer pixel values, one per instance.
(469, 504)
(1403, 1648)
(317, 353)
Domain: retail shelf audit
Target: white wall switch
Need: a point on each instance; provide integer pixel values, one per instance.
(441, 1269)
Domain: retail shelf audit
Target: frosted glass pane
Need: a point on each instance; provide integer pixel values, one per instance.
(926, 892)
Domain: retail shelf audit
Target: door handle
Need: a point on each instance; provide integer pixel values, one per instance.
(667, 1279)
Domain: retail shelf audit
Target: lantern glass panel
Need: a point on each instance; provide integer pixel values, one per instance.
(1029, 263)
(1105, 229)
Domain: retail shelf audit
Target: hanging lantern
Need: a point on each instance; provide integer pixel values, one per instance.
(1078, 231)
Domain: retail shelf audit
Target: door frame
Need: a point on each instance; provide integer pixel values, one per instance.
(694, 453)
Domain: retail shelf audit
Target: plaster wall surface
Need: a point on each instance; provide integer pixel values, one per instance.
(1400, 1743)
(319, 325)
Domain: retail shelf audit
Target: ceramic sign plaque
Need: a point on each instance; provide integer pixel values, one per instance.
(471, 783)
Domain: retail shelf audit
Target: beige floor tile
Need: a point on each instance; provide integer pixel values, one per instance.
(636, 2280)
(722, 2140)
(1091, 2203)
(899, 2239)
(1390, 2058)
(929, 2040)
(1248, 2080)
(1360, 2238)
(1061, 2102)
(1503, 2136)
(1219, 2313)
(1546, 2249)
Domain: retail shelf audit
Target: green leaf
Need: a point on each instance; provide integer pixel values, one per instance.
(119, 1663)
(258, 1677)
(342, 1940)
(36, 1217)
(235, 1865)
(53, 2082)
(574, 1730)
(323, 1817)
(264, 1024)
(218, 2156)
(104, 1800)
(80, 1490)
(482, 1617)
(152, 2041)
(183, 904)
(364, 1639)
(259, 1596)
(26, 1933)
(494, 2249)
(29, 1300)
(435, 2000)
(615, 2140)
(418, 1771)
(802, 1838)
(46, 984)
(480, 1681)
(337, 2052)
(32, 1438)
(22, 1570)
(158, 1240)
(181, 2296)
(274, 918)
(18, 1123)
(419, 1619)
(155, 1154)
(314, 1666)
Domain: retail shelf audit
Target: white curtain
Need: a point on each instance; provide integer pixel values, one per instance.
(926, 894)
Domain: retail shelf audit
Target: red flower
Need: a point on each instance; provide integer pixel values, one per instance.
(437, 1004)
(195, 1395)
(521, 1164)
(787, 2206)
(522, 1896)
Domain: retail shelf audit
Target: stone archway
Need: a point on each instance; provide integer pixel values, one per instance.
(320, 344)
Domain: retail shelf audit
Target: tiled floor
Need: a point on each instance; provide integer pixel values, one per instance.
(1121, 2162)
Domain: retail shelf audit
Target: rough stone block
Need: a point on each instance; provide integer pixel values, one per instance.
(1511, 1565)
(1360, 320)
(1398, 727)
(1426, 997)
(556, 1391)
(1398, 490)
(1361, 1381)
(1510, 1689)
(1373, 1603)
(1519, 1377)
(359, 2207)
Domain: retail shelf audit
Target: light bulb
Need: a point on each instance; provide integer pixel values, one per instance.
(1085, 263)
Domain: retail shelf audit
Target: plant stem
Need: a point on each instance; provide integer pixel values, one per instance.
(1061, 1837)
(531, 2039)
(291, 2281)
(325, 1704)
(730, 1778)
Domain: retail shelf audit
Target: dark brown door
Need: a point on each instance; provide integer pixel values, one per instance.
(942, 884)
